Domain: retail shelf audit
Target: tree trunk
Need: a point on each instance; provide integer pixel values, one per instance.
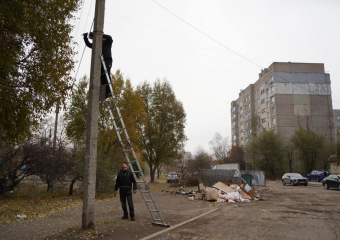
(152, 173)
(70, 191)
(50, 185)
(158, 172)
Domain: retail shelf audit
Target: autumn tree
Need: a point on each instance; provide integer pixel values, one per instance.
(220, 147)
(309, 146)
(236, 154)
(35, 64)
(162, 135)
(110, 154)
(203, 159)
(268, 149)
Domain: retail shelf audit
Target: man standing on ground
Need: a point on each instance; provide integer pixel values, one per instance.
(124, 183)
(106, 51)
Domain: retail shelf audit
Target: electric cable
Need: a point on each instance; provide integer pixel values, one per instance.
(82, 55)
(207, 35)
(231, 49)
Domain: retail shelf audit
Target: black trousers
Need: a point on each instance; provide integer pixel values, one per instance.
(103, 79)
(126, 195)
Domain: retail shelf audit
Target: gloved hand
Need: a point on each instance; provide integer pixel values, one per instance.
(85, 34)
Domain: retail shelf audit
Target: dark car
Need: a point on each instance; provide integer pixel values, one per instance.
(332, 181)
(294, 179)
(316, 175)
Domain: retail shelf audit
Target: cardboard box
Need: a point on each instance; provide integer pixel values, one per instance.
(202, 188)
(224, 188)
(244, 194)
(207, 193)
(252, 193)
(199, 196)
(214, 195)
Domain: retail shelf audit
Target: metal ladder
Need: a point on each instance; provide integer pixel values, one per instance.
(131, 157)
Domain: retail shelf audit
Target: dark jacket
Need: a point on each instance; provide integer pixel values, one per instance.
(106, 48)
(124, 181)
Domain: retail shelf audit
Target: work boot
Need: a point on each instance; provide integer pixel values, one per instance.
(133, 219)
(125, 217)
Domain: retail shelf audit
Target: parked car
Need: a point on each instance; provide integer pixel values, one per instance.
(332, 181)
(172, 177)
(316, 175)
(294, 179)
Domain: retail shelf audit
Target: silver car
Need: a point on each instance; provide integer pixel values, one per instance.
(294, 179)
(172, 177)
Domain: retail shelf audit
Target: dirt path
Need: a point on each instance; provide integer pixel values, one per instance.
(290, 213)
(66, 225)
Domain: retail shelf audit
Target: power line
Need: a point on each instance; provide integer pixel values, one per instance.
(229, 48)
(75, 77)
(207, 35)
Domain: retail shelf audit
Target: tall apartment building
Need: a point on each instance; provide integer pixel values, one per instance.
(336, 113)
(285, 97)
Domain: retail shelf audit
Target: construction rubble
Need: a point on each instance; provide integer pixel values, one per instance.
(222, 193)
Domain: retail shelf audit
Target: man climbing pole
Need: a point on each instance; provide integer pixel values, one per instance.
(106, 51)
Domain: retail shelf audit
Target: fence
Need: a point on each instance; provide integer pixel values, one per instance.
(258, 177)
(211, 176)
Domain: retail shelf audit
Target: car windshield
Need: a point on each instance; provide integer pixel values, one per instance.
(295, 175)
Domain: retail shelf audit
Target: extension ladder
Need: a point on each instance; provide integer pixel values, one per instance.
(131, 157)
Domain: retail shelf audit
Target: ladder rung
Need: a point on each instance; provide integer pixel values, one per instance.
(148, 201)
(119, 129)
(160, 220)
(139, 181)
(132, 161)
(153, 210)
(128, 150)
(142, 191)
(135, 171)
(125, 140)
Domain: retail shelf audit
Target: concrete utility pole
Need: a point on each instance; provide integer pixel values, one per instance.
(92, 120)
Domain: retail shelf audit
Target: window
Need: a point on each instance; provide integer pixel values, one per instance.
(273, 110)
(267, 114)
(271, 79)
(263, 120)
(274, 121)
(241, 138)
(272, 99)
(338, 118)
(267, 104)
(262, 91)
(262, 101)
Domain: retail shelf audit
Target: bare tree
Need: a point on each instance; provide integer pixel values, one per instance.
(220, 147)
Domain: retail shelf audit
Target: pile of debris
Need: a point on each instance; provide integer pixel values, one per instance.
(229, 192)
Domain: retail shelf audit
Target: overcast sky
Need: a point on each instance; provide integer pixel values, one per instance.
(210, 50)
